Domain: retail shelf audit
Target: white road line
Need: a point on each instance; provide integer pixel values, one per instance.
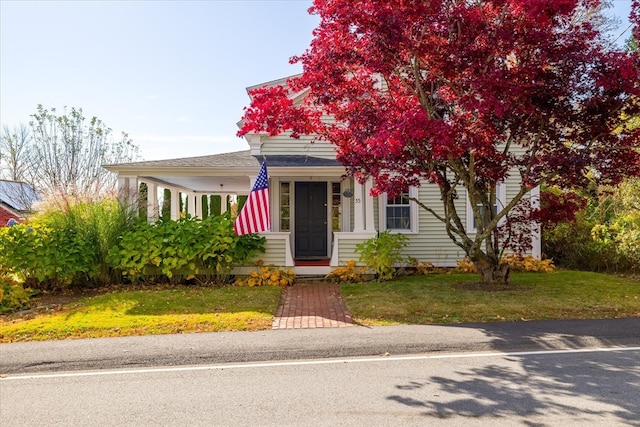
(250, 365)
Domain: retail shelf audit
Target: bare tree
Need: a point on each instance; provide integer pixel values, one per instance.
(15, 158)
(69, 153)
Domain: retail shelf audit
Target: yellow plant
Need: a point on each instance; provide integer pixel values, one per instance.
(267, 275)
(517, 263)
(529, 264)
(466, 266)
(424, 267)
(347, 273)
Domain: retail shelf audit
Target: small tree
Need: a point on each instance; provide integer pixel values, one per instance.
(68, 153)
(15, 154)
(464, 94)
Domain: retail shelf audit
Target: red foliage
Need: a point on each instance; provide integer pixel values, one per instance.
(429, 87)
(558, 207)
(634, 17)
(462, 93)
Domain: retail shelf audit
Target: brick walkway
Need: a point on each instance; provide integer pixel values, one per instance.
(317, 305)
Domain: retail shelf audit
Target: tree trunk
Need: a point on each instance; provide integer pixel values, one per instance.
(492, 272)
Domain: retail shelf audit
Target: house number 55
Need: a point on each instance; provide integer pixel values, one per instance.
(357, 200)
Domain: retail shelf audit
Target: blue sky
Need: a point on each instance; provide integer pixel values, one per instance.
(172, 74)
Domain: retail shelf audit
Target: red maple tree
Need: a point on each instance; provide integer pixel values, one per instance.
(464, 94)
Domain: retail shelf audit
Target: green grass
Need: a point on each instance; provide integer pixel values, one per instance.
(456, 298)
(150, 311)
(438, 298)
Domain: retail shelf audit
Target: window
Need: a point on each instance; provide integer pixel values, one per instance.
(399, 213)
(285, 206)
(336, 207)
(498, 205)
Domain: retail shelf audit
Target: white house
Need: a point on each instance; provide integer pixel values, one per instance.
(317, 216)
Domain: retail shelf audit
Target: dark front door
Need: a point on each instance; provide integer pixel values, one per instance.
(311, 219)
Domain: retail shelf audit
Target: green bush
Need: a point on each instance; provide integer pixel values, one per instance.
(603, 235)
(206, 250)
(65, 245)
(12, 295)
(383, 253)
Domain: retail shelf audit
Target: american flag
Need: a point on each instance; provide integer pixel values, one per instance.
(254, 216)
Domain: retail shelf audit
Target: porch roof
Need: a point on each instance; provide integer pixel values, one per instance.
(222, 173)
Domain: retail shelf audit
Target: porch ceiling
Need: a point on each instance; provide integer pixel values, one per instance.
(204, 184)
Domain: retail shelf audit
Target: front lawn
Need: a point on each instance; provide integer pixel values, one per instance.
(455, 298)
(438, 298)
(153, 310)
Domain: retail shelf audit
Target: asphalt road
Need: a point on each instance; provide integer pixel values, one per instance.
(594, 386)
(233, 347)
(522, 374)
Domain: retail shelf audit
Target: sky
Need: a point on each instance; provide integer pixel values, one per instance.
(171, 74)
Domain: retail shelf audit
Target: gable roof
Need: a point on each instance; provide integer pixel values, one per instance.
(19, 196)
(295, 96)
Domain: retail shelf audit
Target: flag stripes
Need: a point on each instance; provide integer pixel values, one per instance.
(254, 216)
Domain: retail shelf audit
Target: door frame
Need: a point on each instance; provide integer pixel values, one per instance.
(327, 216)
(292, 179)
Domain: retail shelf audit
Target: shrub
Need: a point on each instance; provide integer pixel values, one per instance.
(66, 244)
(267, 275)
(383, 253)
(12, 295)
(189, 248)
(593, 246)
(347, 273)
(604, 235)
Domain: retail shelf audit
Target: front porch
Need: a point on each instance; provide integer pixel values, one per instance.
(315, 213)
(279, 253)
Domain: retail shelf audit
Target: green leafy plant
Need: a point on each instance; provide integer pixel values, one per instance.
(66, 244)
(383, 253)
(188, 248)
(13, 296)
(44, 257)
(604, 234)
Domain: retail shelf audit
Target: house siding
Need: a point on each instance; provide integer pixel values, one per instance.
(275, 252)
(431, 243)
(305, 145)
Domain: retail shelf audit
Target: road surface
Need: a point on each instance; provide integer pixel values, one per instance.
(528, 374)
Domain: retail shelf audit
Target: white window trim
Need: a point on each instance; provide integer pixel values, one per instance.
(413, 214)
(501, 197)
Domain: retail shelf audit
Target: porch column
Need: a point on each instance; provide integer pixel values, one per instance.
(152, 202)
(198, 198)
(368, 219)
(358, 206)
(175, 204)
(128, 190)
(192, 204)
(536, 240)
(223, 203)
